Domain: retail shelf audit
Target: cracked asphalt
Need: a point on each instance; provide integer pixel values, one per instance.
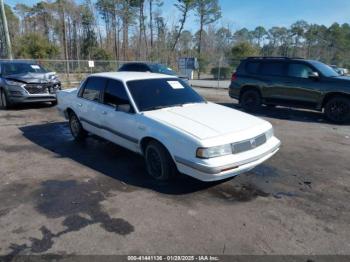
(59, 197)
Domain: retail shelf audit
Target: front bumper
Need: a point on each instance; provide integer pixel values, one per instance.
(32, 98)
(29, 94)
(228, 166)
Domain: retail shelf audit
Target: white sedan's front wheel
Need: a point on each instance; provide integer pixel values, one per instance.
(159, 163)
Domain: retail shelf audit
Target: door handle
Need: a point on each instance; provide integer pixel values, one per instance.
(104, 112)
(80, 105)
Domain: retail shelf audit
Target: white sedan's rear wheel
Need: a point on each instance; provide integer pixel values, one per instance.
(76, 128)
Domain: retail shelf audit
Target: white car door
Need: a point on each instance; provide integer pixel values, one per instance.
(120, 123)
(88, 106)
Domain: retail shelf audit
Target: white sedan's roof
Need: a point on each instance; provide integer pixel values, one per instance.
(127, 76)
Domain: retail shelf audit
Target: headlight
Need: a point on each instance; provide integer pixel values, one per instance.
(14, 83)
(215, 151)
(269, 134)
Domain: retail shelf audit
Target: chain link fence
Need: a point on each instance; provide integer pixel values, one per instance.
(215, 74)
(72, 72)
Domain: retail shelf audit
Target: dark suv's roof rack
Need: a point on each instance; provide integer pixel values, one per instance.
(273, 57)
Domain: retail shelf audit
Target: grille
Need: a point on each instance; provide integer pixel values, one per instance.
(248, 144)
(37, 88)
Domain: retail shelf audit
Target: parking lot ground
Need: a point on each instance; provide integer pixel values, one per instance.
(60, 197)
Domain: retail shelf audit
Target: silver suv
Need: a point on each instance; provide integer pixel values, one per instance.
(26, 82)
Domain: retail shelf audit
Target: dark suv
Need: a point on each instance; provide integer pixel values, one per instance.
(292, 82)
(146, 67)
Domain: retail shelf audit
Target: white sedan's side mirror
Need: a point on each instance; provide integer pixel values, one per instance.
(126, 108)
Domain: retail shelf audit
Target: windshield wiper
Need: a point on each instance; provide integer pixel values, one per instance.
(174, 105)
(181, 104)
(155, 108)
(161, 107)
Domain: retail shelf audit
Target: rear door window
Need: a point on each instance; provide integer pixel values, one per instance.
(93, 88)
(273, 68)
(252, 67)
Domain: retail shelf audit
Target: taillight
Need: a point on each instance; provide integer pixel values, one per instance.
(234, 77)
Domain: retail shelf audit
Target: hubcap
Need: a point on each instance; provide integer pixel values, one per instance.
(250, 100)
(74, 126)
(338, 110)
(154, 162)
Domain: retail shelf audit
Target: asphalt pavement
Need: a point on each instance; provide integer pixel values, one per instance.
(59, 197)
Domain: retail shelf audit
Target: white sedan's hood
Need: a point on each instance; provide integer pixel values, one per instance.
(205, 120)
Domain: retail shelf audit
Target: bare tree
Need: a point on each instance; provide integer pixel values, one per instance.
(184, 7)
(207, 11)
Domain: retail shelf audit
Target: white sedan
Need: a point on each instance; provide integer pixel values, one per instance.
(165, 120)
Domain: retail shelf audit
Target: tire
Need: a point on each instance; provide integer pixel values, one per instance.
(4, 102)
(53, 103)
(77, 130)
(337, 110)
(250, 100)
(159, 163)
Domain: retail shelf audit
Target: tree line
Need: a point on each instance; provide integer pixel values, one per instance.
(139, 30)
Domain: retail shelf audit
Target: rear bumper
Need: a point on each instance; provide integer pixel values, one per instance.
(213, 173)
(233, 91)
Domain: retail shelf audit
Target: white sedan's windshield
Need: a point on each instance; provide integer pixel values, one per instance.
(154, 94)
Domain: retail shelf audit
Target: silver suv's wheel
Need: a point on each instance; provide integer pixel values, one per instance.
(3, 100)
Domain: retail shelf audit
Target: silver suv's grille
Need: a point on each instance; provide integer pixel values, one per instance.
(248, 144)
(37, 88)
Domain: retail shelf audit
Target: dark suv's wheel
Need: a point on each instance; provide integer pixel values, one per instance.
(4, 103)
(76, 128)
(337, 109)
(159, 163)
(250, 100)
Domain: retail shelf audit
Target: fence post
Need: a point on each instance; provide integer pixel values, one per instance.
(219, 73)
